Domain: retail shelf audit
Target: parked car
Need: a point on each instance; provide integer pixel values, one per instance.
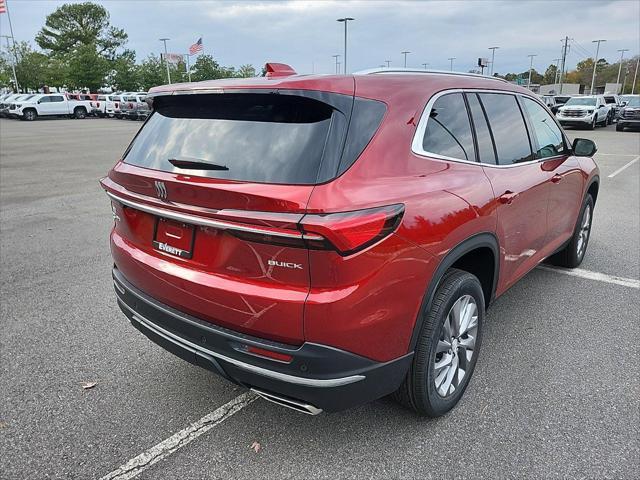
(561, 99)
(14, 106)
(550, 101)
(100, 106)
(585, 111)
(306, 240)
(629, 115)
(6, 101)
(614, 103)
(135, 107)
(51, 104)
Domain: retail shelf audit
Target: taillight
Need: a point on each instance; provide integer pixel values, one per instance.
(350, 232)
(270, 354)
(344, 232)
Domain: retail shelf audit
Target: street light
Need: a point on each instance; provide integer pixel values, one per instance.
(622, 50)
(346, 20)
(388, 62)
(451, 59)
(530, 69)
(425, 65)
(337, 63)
(405, 53)
(555, 77)
(493, 57)
(164, 40)
(595, 63)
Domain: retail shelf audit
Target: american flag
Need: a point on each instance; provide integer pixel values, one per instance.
(3, 6)
(193, 49)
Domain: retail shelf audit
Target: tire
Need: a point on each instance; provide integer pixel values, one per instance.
(80, 113)
(573, 253)
(419, 390)
(593, 124)
(610, 120)
(619, 128)
(29, 115)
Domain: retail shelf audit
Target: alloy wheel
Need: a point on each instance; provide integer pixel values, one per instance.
(456, 346)
(583, 233)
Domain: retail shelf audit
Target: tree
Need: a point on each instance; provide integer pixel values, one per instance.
(125, 74)
(72, 26)
(87, 68)
(550, 74)
(246, 71)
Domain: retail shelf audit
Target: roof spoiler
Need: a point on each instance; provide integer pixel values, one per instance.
(274, 70)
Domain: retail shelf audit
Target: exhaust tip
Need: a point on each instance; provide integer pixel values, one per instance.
(288, 402)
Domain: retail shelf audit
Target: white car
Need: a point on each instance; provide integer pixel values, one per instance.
(105, 105)
(585, 111)
(51, 104)
(6, 101)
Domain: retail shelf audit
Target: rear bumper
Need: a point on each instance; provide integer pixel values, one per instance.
(628, 122)
(321, 376)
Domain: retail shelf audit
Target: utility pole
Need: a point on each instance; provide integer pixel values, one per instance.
(336, 57)
(188, 67)
(451, 59)
(530, 69)
(388, 62)
(425, 65)
(595, 64)
(164, 40)
(13, 63)
(405, 53)
(13, 42)
(635, 76)
(622, 50)
(564, 59)
(345, 20)
(493, 58)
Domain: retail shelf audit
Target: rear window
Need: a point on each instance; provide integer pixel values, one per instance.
(102, 97)
(271, 138)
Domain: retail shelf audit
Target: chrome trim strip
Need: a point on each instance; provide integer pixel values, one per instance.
(289, 403)
(283, 377)
(375, 70)
(416, 143)
(208, 222)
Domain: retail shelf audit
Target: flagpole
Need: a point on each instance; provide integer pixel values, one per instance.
(13, 40)
(188, 68)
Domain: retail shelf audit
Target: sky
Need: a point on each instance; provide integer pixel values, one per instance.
(305, 33)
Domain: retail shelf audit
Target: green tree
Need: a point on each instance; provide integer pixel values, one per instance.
(206, 68)
(246, 71)
(550, 74)
(125, 74)
(75, 25)
(87, 68)
(31, 67)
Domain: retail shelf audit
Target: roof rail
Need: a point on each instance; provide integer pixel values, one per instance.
(371, 71)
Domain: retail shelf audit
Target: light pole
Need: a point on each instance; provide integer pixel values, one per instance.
(13, 65)
(530, 69)
(595, 64)
(336, 57)
(622, 50)
(405, 53)
(388, 62)
(493, 57)
(164, 40)
(346, 20)
(451, 59)
(635, 76)
(425, 65)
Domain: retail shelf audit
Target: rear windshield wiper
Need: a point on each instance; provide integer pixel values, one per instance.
(195, 164)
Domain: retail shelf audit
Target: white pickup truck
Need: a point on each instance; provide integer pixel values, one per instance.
(52, 104)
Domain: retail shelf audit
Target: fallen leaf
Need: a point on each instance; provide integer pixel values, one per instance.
(88, 385)
(256, 447)
(3, 424)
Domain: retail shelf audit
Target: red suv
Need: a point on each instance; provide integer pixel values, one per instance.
(329, 240)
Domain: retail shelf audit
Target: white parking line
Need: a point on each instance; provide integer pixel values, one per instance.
(137, 465)
(601, 277)
(624, 166)
(617, 154)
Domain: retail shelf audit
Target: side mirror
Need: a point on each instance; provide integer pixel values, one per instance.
(583, 147)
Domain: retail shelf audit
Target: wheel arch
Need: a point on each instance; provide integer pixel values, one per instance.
(593, 188)
(462, 256)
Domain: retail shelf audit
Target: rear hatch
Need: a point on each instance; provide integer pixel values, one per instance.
(209, 200)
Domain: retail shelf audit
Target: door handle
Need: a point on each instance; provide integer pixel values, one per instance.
(556, 178)
(507, 197)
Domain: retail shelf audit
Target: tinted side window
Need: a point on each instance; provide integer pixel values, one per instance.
(508, 128)
(448, 131)
(545, 131)
(486, 153)
(56, 99)
(45, 100)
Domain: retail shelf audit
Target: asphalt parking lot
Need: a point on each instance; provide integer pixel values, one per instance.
(555, 393)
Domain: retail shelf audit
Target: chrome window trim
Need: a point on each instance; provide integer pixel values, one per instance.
(418, 136)
(207, 222)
